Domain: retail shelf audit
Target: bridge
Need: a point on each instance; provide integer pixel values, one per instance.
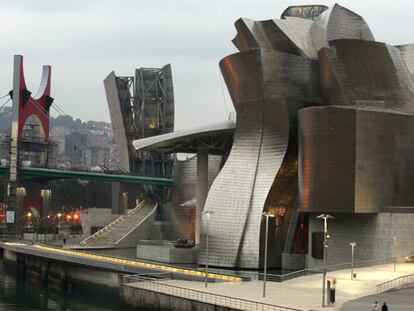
(29, 141)
(49, 174)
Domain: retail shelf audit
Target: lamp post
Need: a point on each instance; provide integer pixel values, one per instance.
(59, 215)
(395, 252)
(353, 245)
(207, 213)
(267, 215)
(325, 218)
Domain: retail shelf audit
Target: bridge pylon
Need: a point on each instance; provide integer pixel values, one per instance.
(24, 106)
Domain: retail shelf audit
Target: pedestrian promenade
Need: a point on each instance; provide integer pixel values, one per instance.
(399, 300)
(305, 292)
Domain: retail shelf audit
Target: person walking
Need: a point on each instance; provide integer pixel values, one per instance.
(375, 307)
(384, 307)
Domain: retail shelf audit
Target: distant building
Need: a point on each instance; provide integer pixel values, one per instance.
(75, 144)
(99, 156)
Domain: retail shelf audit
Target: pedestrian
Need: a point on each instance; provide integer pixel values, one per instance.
(384, 307)
(375, 307)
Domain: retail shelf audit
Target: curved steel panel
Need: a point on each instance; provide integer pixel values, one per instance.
(339, 23)
(326, 159)
(180, 213)
(355, 161)
(114, 104)
(263, 98)
(366, 75)
(276, 73)
(407, 53)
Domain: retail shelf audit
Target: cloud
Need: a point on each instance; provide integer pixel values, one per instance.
(85, 40)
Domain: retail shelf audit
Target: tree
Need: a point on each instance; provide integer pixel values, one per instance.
(72, 192)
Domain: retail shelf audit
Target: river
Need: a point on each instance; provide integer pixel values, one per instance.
(19, 293)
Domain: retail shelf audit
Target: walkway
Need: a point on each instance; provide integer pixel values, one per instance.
(91, 260)
(304, 293)
(399, 300)
(137, 223)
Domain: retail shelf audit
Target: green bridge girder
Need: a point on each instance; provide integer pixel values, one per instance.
(45, 173)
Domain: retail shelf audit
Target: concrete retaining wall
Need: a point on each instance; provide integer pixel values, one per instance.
(64, 272)
(166, 252)
(373, 234)
(144, 298)
(141, 231)
(96, 217)
(293, 261)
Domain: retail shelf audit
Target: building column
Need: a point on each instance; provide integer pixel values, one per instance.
(20, 194)
(201, 188)
(116, 198)
(46, 195)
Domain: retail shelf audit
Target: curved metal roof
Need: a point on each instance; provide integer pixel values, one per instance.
(214, 137)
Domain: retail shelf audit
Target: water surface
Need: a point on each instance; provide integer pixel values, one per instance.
(17, 292)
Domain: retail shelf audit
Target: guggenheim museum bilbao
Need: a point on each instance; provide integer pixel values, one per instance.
(325, 124)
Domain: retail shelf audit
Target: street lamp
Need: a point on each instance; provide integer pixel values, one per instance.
(29, 217)
(353, 245)
(267, 215)
(207, 213)
(59, 215)
(325, 218)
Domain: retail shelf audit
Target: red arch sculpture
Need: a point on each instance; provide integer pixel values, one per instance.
(38, 105)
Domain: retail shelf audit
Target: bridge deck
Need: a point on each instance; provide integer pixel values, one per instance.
(45, 173)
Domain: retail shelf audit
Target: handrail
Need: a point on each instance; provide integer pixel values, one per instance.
(150, 284)
(335, 267)
(397, 282)
(111, 224)
(138, 224)
(314, 270)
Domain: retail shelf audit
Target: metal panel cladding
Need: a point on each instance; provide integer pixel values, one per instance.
(355, 161)
(117, 120)
(345, 163)
(266, 101)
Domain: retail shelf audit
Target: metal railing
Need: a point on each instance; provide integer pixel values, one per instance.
(133, 212)
(112, 224)
(397, 282)
(317, 270)
(154, 285)
(336, 267)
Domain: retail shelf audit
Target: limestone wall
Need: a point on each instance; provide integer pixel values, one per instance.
(373, 234)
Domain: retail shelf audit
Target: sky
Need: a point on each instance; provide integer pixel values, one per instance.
(84, 40)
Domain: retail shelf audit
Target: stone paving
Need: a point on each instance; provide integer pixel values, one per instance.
(304, 293)
(399, 300)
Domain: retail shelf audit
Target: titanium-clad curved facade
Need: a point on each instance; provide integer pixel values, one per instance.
(260, 173)
(355, 160)
(366, 75)
(364, 93)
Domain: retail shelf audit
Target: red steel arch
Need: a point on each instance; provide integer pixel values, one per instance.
(37, 105)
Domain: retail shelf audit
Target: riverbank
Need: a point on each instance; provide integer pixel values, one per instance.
(26, 292)
(158, 286)
(303, 293)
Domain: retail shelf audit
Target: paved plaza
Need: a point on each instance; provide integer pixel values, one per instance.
(305, 292)
(302, 293)
(399, 300)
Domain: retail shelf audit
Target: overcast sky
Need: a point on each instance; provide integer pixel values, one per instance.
(85, 40)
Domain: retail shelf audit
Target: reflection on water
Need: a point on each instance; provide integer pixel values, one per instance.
(17, 293)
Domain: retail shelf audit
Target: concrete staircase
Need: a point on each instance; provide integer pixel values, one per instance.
(126, 230)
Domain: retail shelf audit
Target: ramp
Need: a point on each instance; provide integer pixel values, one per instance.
(126, 230)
